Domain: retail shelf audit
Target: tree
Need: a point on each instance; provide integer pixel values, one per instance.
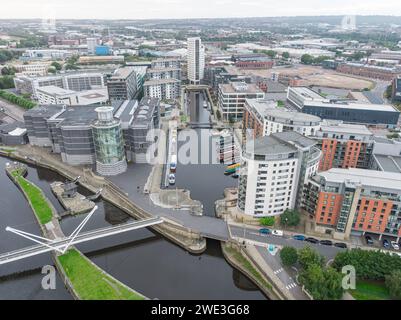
(393, 284)
(56, 65)
(322, 284)
(290, 218)
(286, 55)
(52, 70)
(271, 53)
(307, 59)
(368, 264)
(308, 256)
(289, 256)
(267, 221)
(6, 82)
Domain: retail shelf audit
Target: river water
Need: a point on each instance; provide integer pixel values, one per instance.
(142, 259)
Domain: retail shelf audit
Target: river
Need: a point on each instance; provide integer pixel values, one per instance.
(142, 259)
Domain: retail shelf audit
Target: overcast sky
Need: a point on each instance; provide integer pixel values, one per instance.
(146, 9)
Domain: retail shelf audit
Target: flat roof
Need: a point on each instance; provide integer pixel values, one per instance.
(54, 90)
(278, 143)
(269, 108)
(307, 93)
(345, 128)
(352, 105)
(242, 87)
(373, 178)
(389, 163)
(160, 81)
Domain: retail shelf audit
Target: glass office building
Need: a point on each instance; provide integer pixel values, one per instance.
(109, 143)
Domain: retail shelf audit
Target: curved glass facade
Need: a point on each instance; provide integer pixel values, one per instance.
(109, 144)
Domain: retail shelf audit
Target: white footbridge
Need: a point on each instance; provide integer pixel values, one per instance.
(61, 245)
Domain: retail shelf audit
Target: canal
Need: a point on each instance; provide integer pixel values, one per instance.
(142, 259)
(205, 177)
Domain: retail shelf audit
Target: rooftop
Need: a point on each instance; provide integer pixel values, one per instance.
(389, 163)
(268, 108)
(239, 87)
(340, 127)
(364, 177)
(352, 105)
(153, 82)
(54, 90)
(279, 143)
(307, 93)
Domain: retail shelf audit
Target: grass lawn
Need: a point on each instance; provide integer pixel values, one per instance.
(90, 283)
(39, 202)
(369, 290)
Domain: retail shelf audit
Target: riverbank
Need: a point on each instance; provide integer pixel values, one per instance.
(240, 260)
(185, 237)
(82, 277)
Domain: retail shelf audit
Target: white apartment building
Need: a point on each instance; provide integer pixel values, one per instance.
(273, 171)
(55, 95)
(34, 69)
(68, 81)
(266, 118)
(232, 96)
(164, 89)
(195, 60)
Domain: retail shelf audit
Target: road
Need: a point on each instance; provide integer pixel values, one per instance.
(12, 111)
(286, 276)
(329, 252)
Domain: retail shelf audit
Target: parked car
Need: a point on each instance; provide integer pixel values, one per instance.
(386, 244)
(299, 237)
(369, 240)
(395, 245)
(278, 233)
(171, 178)
(235, 176)
(265, 231)
(311, 240)
(326, 242)
(340, 245)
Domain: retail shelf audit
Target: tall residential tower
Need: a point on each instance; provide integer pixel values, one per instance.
(196, 60)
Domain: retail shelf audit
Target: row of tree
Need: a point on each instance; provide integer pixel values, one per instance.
(308, 59)
(373, 265)
(20, 101)
(323, 283)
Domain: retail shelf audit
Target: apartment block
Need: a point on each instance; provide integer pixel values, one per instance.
(273, 171)
(347, 202)
(232, 96)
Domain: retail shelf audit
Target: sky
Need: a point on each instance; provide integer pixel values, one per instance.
(179, 9)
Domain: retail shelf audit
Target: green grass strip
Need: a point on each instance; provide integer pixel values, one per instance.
(36, 197)
(90, 283)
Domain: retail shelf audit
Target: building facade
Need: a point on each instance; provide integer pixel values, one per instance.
(354, 201)
(344, 145)
(273, 171)
(122, 84)
(164, 89)
(195, 60)
(232, 96)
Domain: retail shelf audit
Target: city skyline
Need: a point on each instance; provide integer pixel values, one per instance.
(179, 9)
